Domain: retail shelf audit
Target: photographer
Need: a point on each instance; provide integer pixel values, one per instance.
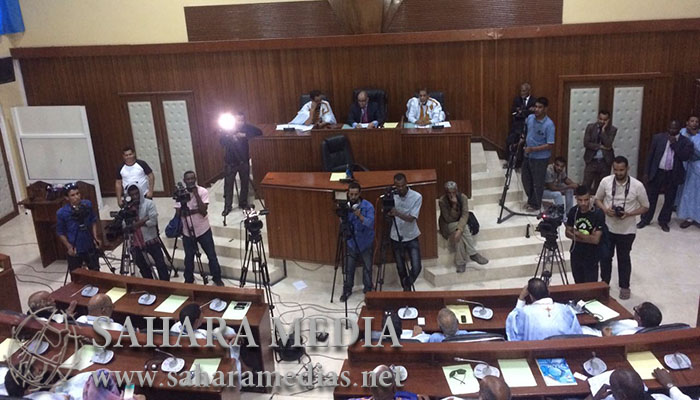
(194, 217)
(236, 159)
(359, 245)
(404, 230)
(145, 234)
(584, 226)
(622, 198)
(77, 229)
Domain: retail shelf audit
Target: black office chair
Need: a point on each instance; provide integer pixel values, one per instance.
(375, 96)
(475, 337)
(571, 336)
(305, 98)
(664, 328)
(440, 97)
(336, 155)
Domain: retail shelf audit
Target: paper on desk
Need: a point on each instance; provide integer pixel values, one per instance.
(460, 310)
(517, 373)
(116, 293)
(8, 348)
(172, 303)
(337, 176)
(599, 309)
(461, 379)
(81, 359)
(346, 126)
(644, 362)
(208, 366)
(391, 125)
(298, 127)
(596, 382)
(232, 313)
(444, 124)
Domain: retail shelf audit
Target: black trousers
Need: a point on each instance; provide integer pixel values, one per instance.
(584, 268)
(88, 258)
(623, 245)
(157, 254)
(243, 171)
(663, 180)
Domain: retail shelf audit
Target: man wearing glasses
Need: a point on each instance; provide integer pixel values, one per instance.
(646, 315)
(77, 229)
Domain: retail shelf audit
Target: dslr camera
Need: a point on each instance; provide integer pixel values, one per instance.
(388, 199)
(619, 211)
(181, 194)
(551, 218)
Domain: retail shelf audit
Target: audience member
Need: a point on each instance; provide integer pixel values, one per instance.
(43, 306)
(109, 391)
(134, 172)
(598, 141)
(689, 204)
(404, 230)
(384, 386)
(145, 237)
(621, 197)
(195, 217)
(76, 226)
(424, 110)
(316, 112)
(665, 379)
(558, 186)
(523, 105)
(237, 160)
(646, 315)
(626, 384)
(542, 318)
(584, 226)
(365, 112)
(193, 314)
(538, 148)
(449, 327)
(360, 243)
(454, 214)
(493, 388)
(664, 172)
(100, 306)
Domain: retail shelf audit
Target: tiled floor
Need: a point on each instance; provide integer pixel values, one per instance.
(666, 270)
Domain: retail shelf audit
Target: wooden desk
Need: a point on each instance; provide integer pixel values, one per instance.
(258, 315)
(9, 296)
(302, 224)
(446, 150)
(424, 360)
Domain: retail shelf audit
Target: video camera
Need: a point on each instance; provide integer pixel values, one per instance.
(122, 220)
(80, 214)
(551, 219)
(388, 198)
(181, 194)
(252, 223)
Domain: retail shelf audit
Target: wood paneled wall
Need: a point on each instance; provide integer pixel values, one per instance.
(479, 77)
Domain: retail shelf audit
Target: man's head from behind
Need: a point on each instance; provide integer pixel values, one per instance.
(362, 99)
(193, 313)
(620, 166)
(537, 289)
(493, 388)
(647, 315)
(39, 300)
(380, 391)
(423, 95)
(626, 384)
(129, 155)
(100, 305)
(447, 321)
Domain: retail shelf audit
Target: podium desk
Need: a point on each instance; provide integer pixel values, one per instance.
(446, 150)
(302, 224)
(9, 298)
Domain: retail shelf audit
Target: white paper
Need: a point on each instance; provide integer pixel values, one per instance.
(299, 127)
(445, 124)
(300, 285)
(596, 382)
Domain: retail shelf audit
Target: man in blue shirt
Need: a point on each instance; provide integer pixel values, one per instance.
(76, 229)
(538, 148)
(359, 244)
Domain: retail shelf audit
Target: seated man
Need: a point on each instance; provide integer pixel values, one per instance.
(646, 315)
(626, 384)
(558, 186)
(424, 110)
(43, 305)
(193, 313)
(449, 327)
(316, 112)
(541, 319)
(100, 306)
(384, 387)
(365, 112)
(493, 388)
(454, 214)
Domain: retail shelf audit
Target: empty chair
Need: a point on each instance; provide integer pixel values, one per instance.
(664, 328)
(337, 156)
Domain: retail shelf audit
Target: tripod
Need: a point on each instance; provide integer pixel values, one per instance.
(345, 232)
(551, 257)
(386, 243)
(100, 253)
(255, 256)
(506, 185)
(126, 267)
(190, 229)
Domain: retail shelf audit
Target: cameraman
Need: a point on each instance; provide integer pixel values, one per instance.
(404, 230)
(584, 226)
(145, 234)
(195, 218)
(622, 198)
(77, 229)
(237, 160)
(361, 220)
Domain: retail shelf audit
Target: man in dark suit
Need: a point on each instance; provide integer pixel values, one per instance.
(523, 105)
(365, 112)
(598, 141)
(665, 171)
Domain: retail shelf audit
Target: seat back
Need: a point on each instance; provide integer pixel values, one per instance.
(664, 328)
(375, 96)
(476, 337)
(571, 336)
(335, 152)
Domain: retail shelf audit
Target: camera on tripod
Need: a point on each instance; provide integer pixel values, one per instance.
(388, 199)
(550, 220)
(122, 221)
(79, 214)
(252, 223)
(181, 194)
(619, 211)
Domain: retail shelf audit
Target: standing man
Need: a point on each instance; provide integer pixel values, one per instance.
(424, 110)
(454, 214)
(196, 229)
(584, 226)
(598, 141)
(538, 148)
(523, 105)
(134, 172)
(359, 244)
(77, 229)
(558, 186)
(237, 160)
(145, 238)
(664, 171)
(365, 112)
(622, 198)
(316, 112)
(689, 205)
(404, 230)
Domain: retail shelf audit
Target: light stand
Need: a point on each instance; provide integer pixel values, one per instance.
(506, 185)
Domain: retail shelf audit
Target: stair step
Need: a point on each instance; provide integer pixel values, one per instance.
(231, 268)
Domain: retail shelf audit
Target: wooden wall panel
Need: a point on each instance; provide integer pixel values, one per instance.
(479, 79)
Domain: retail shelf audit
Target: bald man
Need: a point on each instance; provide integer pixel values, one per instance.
(100, 306)
(42, 300)
(365, 113)
(449, 327)
(493, 388)
(383, 374)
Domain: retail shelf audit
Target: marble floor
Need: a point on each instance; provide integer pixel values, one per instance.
(666, 270)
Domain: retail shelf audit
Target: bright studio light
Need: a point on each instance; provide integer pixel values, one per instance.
(227, 121)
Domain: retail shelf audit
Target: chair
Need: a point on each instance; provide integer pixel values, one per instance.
(375, 96)
(305, 98)
(475, 337)
(571, 336)
(440, 97)
(664, 328)
(336, 155)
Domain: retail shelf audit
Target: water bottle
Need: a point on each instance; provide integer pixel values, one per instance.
(348, 172)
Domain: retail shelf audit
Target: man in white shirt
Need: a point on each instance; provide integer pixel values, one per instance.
(622, 198)
(100, 306)
(626, 384)
(424, 110)
(316, 112)
(646, 315)
(134, 172)
(404, 230)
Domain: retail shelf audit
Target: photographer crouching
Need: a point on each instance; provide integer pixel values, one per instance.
(77, 229)
(192, 203)
(360, 218)
(145, 238)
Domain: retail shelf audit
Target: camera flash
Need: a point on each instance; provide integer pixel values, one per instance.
(227, 121)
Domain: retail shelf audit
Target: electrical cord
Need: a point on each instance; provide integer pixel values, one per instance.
(34, 282)
(17, 244)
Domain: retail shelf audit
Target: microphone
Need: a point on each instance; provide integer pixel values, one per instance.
(476, 303)
(460, 359)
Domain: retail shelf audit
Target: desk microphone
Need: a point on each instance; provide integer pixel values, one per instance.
(480, 311)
